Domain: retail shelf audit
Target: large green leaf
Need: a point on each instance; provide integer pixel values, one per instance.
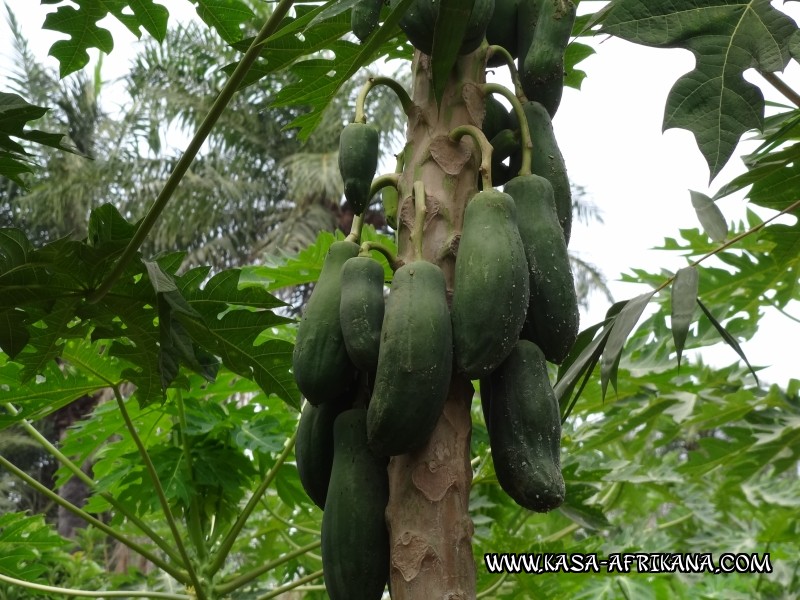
(23, 541)
(727, 37)
(81, 26)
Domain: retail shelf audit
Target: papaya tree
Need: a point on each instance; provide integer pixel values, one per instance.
(210, 480)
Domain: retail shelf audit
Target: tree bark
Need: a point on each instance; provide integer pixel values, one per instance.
(428, 513)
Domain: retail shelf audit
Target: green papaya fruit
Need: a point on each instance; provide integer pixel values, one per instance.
(552, 321)
(547, 161)
(504, 144)
(524, 425)
(490, 286)
(496, 117)
(502, 29)
(358, 161)
(355, 540)
(414, 362)
(365, 17)
(420, 19)
(361, 310)
(542, 66)
(313, 449)
(320, 363)
(527, 16)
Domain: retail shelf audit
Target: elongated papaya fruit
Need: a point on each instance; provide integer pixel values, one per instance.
(313, 449)
(552, 321)
(504, 144)
(365, 17)
(358, 161)
(321, 366)
(491, 288)
(524, 426)
(419, 21)
(355, 541)
(542, 65)
(414, 363)
(547, 161)
(361, 310)
(496, 117)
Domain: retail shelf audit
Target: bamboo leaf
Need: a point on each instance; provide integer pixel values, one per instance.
(623, 325)
(710, 216)
(684, 296)
(729, 339)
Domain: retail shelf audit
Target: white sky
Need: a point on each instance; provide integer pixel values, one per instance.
(610, 134)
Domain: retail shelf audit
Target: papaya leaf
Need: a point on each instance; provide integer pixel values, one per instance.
(448, 34)
(623, 325)
(81, 27)
(225, 16)
(332, 9)
(14, 334)
(575, 53)
(684, 295)
(727, 37)
(710, 216)
(729, 339)
(23, 541)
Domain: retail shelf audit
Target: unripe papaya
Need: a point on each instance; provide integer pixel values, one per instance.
(542, 65)
(321, 366)
(414, 363)
(420, 19)
(313, 449)
(504, 144)
(355, 540)
(552, 321)
(364, 18)
(361, 310)
(524, 424)
(502, 29)
(358, 161)
(496, 117)
(491, 288)
(547, 161)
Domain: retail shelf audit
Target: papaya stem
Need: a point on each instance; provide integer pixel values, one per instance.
(355, 229)
(292, 585)
(780, 85)
(382, 181)
(484, 147)
(391, 257)
(525, 140)
(405, 99)
(182, 166)
(420, 211)
(90, 593)
(512, 67)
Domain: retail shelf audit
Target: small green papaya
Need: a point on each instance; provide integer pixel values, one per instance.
(361, 310)
(358, 161)
(320, 363)
(552, 321)
(420, 19)
(502, 29)
(542, 66)
(504, 144)
(355, 540)
(496, 117)
(490, 284)
(414, 362)
(524, 425)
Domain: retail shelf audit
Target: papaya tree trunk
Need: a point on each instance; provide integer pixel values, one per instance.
(428, 512)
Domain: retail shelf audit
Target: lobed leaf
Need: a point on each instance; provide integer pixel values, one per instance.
(684, 296)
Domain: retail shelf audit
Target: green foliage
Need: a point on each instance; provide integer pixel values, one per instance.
(713, 101)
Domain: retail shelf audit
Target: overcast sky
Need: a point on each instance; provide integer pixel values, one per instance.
(610, 134)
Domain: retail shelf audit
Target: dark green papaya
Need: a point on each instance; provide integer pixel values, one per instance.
(524, 424)
(355, 540)
(504, 144)
(313, 449)
(358, 161)
(496, 118)
(490, 286)
(321, 366)
(414, 363)
(552, 321)
(361, 310)
(420, 19)
(547, 161)
(527, 16)
(365, 17)
(542, 65)
(502, 29)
